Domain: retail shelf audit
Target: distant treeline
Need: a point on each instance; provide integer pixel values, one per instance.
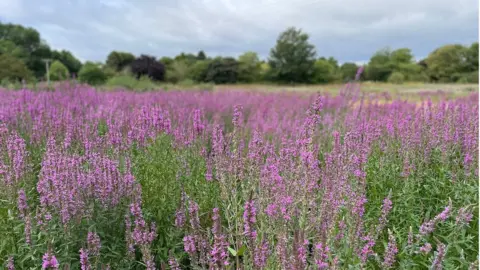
(292, 60)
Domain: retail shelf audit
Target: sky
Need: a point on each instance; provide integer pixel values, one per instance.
(349, 30)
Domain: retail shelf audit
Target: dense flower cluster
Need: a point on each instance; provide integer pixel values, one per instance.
(264, 180)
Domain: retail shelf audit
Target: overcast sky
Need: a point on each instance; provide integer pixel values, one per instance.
(349, 30)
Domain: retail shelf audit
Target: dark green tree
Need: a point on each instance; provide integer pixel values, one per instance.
(119, 60)
(348, 71)
(201, 55)
(447, 63)
(222, 70)
(71, 62)
(380, 67)
(293, 57)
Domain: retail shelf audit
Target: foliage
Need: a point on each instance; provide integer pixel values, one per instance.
(249, 67)
(92, 74)
(177, 71)
(446, 62)
(66, 58)
(396, 78)
(198, 71)
(293, 57)
(119, 60)
(147, 66)
(13, 69)
(222, 70)
(58, 71)
(348, 71)
(325, 71)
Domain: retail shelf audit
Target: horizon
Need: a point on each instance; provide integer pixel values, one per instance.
(348, 32)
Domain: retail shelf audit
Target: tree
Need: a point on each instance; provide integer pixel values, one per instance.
(222, 70)
(472, 57)
(348, 71)
(293, 57)
(119, 60)
(380, 67)
(92, 74)
(324, 71)
(71, 62)
(446, 63)
(249, 67)
(201, 55)
(198, 72)
(147, 66)
(58, 71)
(188, 58)
(13, 69)
(178, 71)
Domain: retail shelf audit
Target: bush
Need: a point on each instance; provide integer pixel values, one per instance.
(122, 81)
(13, 69)
(92, 74)
(58, 71)
(396, 78)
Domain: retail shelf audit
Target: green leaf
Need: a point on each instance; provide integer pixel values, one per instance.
(242, 250)
(234, 253)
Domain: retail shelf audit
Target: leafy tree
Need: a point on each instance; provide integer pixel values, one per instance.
(348, 71)
(379, 67)
(446, 63)
(13, 69)
(147, 66)
(249, 67)
(119, 60)
(92, 74)
(198, 72)
(201, 55)
(58, 71)
(324, 71)
(178, 71)
(167, 61)
(472, 57)
(293, 57)
(8, 47)
(188, 58)
(222, 70)
(71, 62)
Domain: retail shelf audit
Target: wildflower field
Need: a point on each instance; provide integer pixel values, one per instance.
(237, 180)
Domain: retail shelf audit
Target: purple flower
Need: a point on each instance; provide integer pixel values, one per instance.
(249, 219)
(426, 248)
(439, 256)
(49, 261)
(10, 263)
(84, 264)
(391, 252)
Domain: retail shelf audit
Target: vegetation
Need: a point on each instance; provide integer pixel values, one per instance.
(236, 180)
(293, 59)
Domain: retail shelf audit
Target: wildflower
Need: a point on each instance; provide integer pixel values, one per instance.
(391, 252)
(464, 217)
(49, 261)
(261, 253)
(426, 248)
(439, 256)
(249, 219)
(84, 264)
(10, 263)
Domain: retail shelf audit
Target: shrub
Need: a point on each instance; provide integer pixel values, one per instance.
(92, 74)
(396, 78)
(58, 71)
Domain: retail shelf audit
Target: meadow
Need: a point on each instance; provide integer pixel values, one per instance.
(238, 179)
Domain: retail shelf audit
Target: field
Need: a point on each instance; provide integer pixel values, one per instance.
(243, 177)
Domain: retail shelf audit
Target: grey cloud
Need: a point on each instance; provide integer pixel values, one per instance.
(349, 30)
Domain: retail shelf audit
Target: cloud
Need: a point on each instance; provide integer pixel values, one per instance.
(349, 30)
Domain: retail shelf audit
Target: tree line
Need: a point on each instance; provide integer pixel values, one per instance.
(293, 59)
